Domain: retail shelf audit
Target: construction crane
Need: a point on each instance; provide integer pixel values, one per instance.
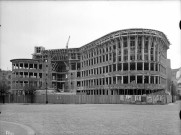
(67, 55)
(67, 43)
(67, 64)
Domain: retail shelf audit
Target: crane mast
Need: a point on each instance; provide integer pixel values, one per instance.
(67, 55)
(67, 64)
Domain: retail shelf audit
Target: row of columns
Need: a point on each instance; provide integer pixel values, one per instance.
(94, 70)
(16, 84)
(55, 77)
(117, 92)
(76, 66)
(17, 66)
(28, 75)
(150, 40)
(110, 80)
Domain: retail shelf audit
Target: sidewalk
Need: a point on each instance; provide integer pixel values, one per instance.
(10, 128)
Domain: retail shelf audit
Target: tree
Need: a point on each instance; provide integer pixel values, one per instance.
(173, 91)
(31, 91)
(4, 90)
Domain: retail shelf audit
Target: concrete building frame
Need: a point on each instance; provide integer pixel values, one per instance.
(124, 62)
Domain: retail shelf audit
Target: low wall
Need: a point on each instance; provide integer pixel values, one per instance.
(88, 99)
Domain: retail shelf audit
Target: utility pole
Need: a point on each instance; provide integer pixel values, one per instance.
(46, 85)
(46, 93)
(172, 91)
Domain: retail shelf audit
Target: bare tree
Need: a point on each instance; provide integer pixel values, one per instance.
(4, 90)
(30, 91)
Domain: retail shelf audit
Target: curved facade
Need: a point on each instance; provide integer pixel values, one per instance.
(132, 61)
(26, 72)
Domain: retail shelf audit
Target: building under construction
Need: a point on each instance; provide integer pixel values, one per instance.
(131, 61)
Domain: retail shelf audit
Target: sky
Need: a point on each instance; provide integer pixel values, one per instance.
(50, 23)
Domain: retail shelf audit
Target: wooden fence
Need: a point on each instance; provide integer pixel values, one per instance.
(88, 99)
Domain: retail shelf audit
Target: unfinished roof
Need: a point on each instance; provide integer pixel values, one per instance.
(128, 32)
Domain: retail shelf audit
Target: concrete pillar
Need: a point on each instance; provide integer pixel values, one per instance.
(149, 48)
(116, 41)
(76, 65)
(121, 79)
(108, 81)
(116, 79)
(154, 77)
(128, 42)
(121, 42)
(136, 47)
(108, 68)
(158, 54)
(109, 91)
(143, 46)
(154, 49)
(148, 79)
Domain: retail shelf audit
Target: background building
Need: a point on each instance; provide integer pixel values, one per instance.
(176, 78)
(131, 61)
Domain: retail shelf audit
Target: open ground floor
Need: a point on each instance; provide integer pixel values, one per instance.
(119, 91)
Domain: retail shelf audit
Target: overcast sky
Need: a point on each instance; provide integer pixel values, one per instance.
(49, 23)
